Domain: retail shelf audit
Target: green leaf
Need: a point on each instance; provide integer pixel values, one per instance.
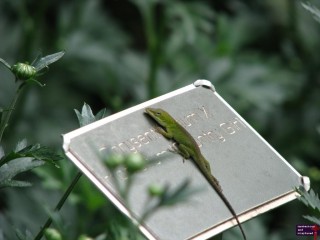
(313, 219)
(86, 116)
(47, 60)
(32, 151)
(14, 183)
(310, 199)
(21, 145)
(5, 63)
(313, 10)
(44, 154)
(14, 167)
(102, 114)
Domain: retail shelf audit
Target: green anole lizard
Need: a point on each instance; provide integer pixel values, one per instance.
(188, 148)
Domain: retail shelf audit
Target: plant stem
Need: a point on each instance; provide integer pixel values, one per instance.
(59, 205)
(6, 117)
(147, 10)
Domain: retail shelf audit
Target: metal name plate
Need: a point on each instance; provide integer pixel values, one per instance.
(253, 176)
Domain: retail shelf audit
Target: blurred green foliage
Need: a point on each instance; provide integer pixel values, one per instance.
(260, 55)
(311, 200)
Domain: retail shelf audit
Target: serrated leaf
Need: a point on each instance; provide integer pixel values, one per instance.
(45, 154)
(78, 114)
(15, 183)
(33, 151)
(313, 219)
(21, 145)
(86, 116)
(14, 167)
(101, 114)
(310, 199)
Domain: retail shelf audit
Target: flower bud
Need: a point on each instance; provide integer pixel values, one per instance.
(52, 234)
(135, 162)
(156, 190)
(113, 161)
(23, 71)
(84, 237)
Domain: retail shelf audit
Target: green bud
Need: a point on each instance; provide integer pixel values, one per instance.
(114, 160)
(135, 162)
(23, 71)
(52, 234)
(84, 237)
(155, 190)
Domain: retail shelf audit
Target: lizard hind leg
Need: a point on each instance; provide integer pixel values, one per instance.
(182, 150)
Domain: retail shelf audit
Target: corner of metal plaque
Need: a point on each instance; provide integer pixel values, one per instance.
(66, 143)
(204, 83)
(305, 182)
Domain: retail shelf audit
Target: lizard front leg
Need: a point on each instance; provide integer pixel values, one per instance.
(163, 132)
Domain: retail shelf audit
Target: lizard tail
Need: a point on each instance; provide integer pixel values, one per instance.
(224, 199)
(205, 169)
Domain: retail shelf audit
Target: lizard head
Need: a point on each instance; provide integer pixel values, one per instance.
(160, 116)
